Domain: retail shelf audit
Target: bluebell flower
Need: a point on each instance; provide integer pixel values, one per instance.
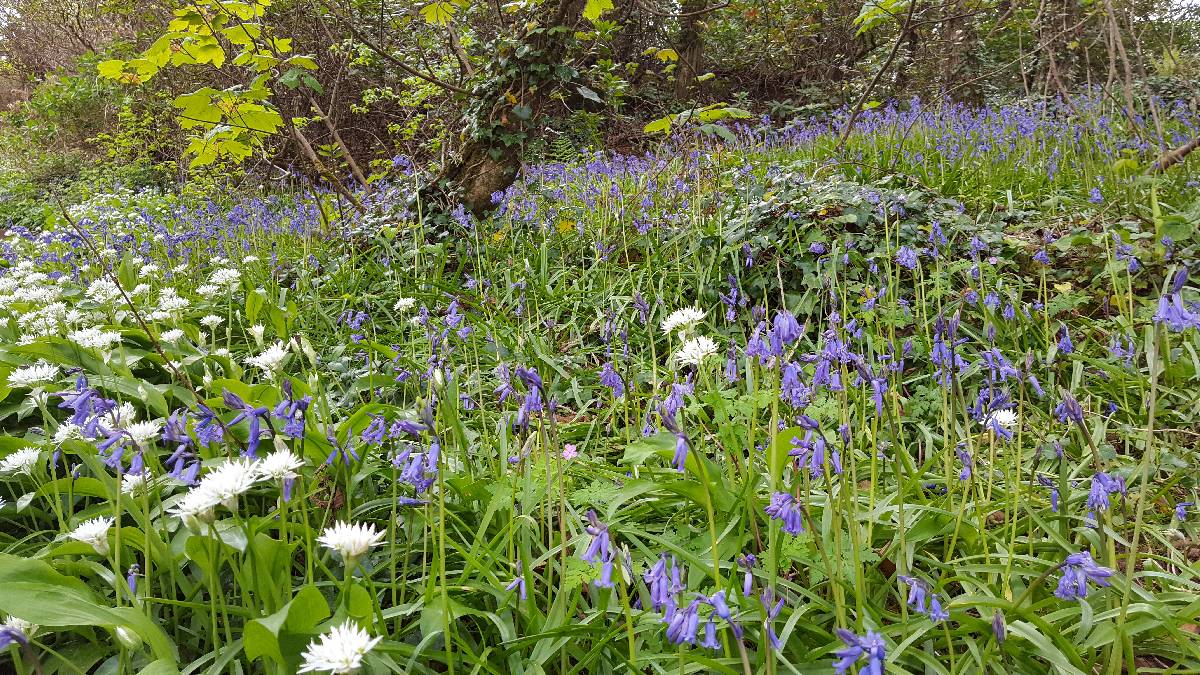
(1122, 347)
(131, 577)
(609, 378)
(906, 257)
(1095, 197)
(1078, 569)
(599, 549)
(786, 330)
(1172, 313)
(785, 508)
(771, 608)
(999, 629)
(683, 624)
(254, 415)
(642, 307)
(710, 635)
(1064, 339)
(505, 388)
(1046, 482)
(375, 431)
(1181, 510)
(870, 646)
(747, 563)
(967, 463)
(1069, 409)
(658, 580)
(11, 635)
(731, 365)
(291, 411)
(1041, 257)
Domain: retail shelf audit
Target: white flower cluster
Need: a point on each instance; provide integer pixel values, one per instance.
(694, 349)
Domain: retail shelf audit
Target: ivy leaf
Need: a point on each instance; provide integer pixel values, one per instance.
(588, 94)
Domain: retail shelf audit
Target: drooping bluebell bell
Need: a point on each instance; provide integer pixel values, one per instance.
(771, 609)
(657, 579)
(1069, 410)
(731, 365)
(757, 346)
(870, 646)
(786, 509)
(1047, 483)
(1065, 345)
(1122, 347)
(11, 635)
(504, 389)
(922, 600)
(375, 431)
(710, 635)
(1077, 570)
(684, 622)
(1095, 196)
(968, 463)
(732, 300)
(292, 411)
(1172, 312)
(792, 390)
(906, 257)
(1181, 510)
(404, 427)
(599, 548)
(611, 379)
(785, 331)
(1041, 257)
(679, 461)
(1102, 486)
(518, 583)
(747, 562)
(999, 629)
(642, 307)
(131, 578)
(254, 415)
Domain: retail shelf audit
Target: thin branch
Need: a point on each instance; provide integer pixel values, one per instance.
(387, 56)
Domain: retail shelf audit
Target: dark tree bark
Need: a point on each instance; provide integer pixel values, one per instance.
(489, 163)
(691, 48)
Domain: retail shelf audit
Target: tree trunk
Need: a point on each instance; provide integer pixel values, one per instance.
(691, 48)
(486, 163)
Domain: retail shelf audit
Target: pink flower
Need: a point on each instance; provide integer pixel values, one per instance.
(569, 451)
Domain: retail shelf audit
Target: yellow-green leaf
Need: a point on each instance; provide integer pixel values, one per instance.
(595, 8)
(439, 13)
